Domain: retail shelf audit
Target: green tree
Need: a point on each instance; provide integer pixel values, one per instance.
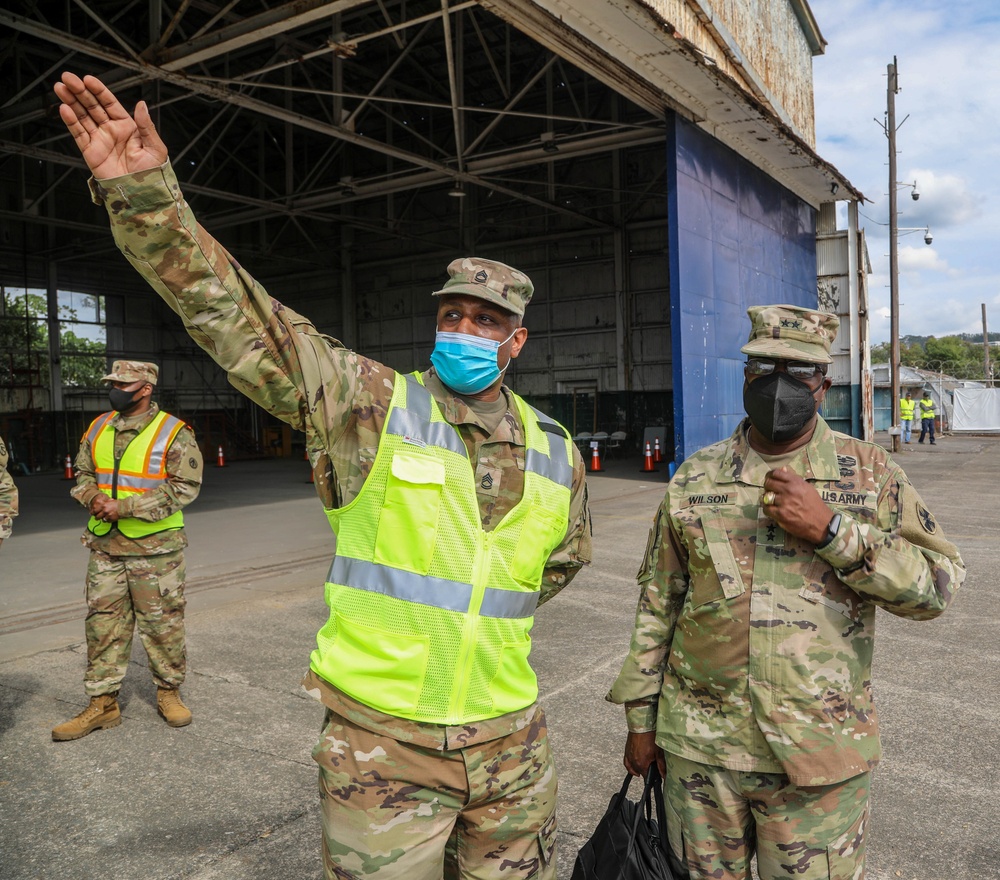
(24, 343)
(23, 340)
(83, 360)
(954, 356)
(910, 354)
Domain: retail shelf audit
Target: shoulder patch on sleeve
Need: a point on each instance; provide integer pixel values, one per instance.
(926, 520)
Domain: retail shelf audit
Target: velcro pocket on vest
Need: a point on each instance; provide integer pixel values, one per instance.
(407, 527)
(385, 669)
(542, 531)
(514, 682)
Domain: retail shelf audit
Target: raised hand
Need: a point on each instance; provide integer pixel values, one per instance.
(111, 141)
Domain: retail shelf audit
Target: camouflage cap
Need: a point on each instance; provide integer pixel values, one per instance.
(132, 371)
(495, 282)
(791, 333)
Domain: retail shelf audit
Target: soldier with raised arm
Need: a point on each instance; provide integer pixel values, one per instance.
(458, 508)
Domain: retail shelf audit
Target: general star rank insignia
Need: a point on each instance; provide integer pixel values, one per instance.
(926, 520)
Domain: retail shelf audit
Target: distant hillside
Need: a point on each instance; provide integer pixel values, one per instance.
(960, 356)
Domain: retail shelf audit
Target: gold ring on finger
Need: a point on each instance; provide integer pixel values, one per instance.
(768, 498)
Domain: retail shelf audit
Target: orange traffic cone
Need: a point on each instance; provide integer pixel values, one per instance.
(657, 457)
(647, 463)
(68, 468)
(220, 458)
(595, 458)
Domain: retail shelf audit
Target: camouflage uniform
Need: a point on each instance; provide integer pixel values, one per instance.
(340, 400)
(8, 495)
(138, 581)
(752, 648)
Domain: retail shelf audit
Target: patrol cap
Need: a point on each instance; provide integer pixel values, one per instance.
(791, 333)
(132, 371)
(495, 282)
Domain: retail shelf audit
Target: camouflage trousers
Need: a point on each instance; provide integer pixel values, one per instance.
(128, 591)
(397, 811)
(717, 819)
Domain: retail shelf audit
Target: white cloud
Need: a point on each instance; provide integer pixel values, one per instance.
(946, 200)
(949, 73)
(922, 259)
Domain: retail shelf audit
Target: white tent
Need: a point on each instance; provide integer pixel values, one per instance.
(976, 409)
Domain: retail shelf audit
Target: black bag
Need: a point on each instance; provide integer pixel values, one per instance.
(628, 843)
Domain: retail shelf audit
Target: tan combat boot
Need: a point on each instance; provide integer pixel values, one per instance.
(102, 713)
(170, 707)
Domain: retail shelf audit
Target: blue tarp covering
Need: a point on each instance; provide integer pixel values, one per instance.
(737, 238)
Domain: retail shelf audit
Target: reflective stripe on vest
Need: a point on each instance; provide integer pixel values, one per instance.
(436, 592)
(414, 423)
(142, 467)
(430, 615)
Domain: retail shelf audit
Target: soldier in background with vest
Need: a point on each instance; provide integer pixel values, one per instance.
(748, 678)
(458, 508)
(906, 408)
(137, 468)
(8, 495)
(927, 415)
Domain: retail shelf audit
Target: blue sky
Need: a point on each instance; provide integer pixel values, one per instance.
(949, 74)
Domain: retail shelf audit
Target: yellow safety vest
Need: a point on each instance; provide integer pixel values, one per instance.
(906, 408)
(927, 408)
(430, 614)
(142, 466)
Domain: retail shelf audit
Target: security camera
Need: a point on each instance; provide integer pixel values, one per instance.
(928, 238)
(915, 194)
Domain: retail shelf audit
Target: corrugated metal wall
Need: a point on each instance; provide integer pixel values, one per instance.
(737, 239)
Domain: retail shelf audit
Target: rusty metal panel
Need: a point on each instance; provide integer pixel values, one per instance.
(761, 44)
(867, 406)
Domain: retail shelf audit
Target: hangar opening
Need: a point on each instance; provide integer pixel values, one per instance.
(650, 164)
(344, 157)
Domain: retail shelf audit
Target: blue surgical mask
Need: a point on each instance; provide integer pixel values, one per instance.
(467, 364)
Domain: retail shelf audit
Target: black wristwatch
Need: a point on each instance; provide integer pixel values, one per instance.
(831, 531)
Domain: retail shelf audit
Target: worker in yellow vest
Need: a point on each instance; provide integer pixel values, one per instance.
(136, 469)
(927, 416)
(906, 408)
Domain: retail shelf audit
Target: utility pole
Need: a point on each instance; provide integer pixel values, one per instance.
(890, 131)
(986, 351)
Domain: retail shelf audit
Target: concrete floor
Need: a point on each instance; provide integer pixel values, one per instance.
(233, 796)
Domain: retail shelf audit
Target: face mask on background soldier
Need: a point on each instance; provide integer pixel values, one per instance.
(779, 407)
(122, 401)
